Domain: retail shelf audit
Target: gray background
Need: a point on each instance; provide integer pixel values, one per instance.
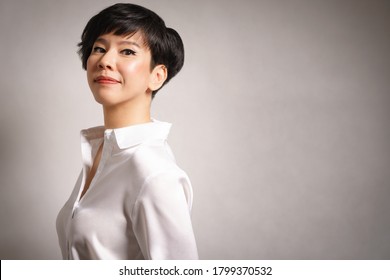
(281, 119)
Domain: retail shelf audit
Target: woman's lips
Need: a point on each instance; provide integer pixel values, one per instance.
(106, 80)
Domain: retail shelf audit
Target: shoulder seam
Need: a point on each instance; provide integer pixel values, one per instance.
(147, 179)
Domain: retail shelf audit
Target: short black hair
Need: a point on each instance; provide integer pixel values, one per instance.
(165, 44)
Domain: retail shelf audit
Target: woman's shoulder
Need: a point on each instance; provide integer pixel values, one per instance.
(154, 170)
(155, 158)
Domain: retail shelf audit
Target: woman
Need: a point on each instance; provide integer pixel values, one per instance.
(131, 201)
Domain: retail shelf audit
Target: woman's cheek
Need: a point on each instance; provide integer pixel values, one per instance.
(132, 68)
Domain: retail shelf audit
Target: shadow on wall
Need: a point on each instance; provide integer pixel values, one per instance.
(25, 214)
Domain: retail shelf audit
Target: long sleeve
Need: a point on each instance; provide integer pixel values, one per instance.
(161, 217)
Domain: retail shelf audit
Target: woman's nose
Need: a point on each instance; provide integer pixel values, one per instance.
(106, 62)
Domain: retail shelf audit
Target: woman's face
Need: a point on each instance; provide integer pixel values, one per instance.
(118, 70)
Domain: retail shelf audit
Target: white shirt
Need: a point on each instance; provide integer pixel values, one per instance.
(138, 204)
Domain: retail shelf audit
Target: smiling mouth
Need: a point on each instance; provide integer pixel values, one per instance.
(106, 80)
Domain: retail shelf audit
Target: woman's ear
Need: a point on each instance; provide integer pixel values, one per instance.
(158, 77)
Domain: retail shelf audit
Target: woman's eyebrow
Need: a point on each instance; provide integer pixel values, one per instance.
(101, 40)
(123, 42)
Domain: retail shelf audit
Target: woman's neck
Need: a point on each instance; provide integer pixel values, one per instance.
(125, 115)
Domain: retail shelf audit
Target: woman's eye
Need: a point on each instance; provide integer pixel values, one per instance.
(128, 52)
(98, 50)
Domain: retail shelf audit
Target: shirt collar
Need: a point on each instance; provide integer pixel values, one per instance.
(129, 136)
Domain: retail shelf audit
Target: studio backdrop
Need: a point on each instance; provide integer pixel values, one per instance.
(280, 117)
